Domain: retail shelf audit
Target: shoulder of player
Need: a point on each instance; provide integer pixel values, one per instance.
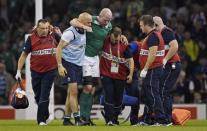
(153, 34)
(167, 30)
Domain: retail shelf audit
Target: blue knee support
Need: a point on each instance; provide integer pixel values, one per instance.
(127, 100)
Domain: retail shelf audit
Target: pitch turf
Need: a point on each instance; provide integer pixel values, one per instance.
(56, 125)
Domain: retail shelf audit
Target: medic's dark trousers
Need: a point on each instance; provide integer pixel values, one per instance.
(132, 89)
(167, 82)
(152, 97)
(41, 85)
(113, 94)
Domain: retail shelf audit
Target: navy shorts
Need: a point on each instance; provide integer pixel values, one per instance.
(74, 73)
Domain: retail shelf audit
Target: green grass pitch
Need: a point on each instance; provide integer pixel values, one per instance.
(56, 125)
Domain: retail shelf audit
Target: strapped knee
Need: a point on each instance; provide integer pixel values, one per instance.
(95, 81)
(87, 80)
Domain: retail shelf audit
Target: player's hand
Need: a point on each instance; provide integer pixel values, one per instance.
(129, 78)
(124, 39)
(143, 73)
(57, 30)
(62, 71)
(18, 75)
(164, 62)
(88, 28)
(34, 27)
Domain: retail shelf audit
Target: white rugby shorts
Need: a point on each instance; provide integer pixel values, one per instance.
(91, 66)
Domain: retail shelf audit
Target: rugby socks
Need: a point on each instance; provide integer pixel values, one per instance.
(76, 115)
(67, 117)
(86, 101)
(66, 121)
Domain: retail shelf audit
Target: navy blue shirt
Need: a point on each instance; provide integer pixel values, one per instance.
(27, 45)
(132, 52)
(153, 40)
(168, 35)
(131, 49)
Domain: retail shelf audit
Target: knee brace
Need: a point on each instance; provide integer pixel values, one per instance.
(88, 80)
(95, 81)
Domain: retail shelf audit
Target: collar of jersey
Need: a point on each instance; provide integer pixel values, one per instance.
(97, 23)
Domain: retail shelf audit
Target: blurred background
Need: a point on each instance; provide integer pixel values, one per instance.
(186, 17)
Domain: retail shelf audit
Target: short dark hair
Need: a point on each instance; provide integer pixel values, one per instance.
(42, 21)
(147, 20)
(116, 30)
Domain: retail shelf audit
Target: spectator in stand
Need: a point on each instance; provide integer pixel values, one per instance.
(6, 83)
(191, 47)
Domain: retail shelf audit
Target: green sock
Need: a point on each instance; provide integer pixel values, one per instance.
(85, 105)
(90, 104)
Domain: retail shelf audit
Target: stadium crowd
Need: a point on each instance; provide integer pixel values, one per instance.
(187, 18)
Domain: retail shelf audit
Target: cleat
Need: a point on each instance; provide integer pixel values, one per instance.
(168, 124)
(116, 122)
(42, 124)
(141, 123)
(157, 124)
(91, 123)
(110, 123)
(79, 122)
(67, 122)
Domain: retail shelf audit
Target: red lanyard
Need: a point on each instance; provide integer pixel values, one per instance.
(118, 51)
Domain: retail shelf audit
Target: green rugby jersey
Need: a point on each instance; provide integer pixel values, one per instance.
(95, 39)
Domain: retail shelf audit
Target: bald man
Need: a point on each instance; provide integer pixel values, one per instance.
(70, 55)
(95, 36)
(172, 66)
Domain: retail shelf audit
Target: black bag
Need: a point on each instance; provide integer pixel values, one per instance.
(19, 103)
